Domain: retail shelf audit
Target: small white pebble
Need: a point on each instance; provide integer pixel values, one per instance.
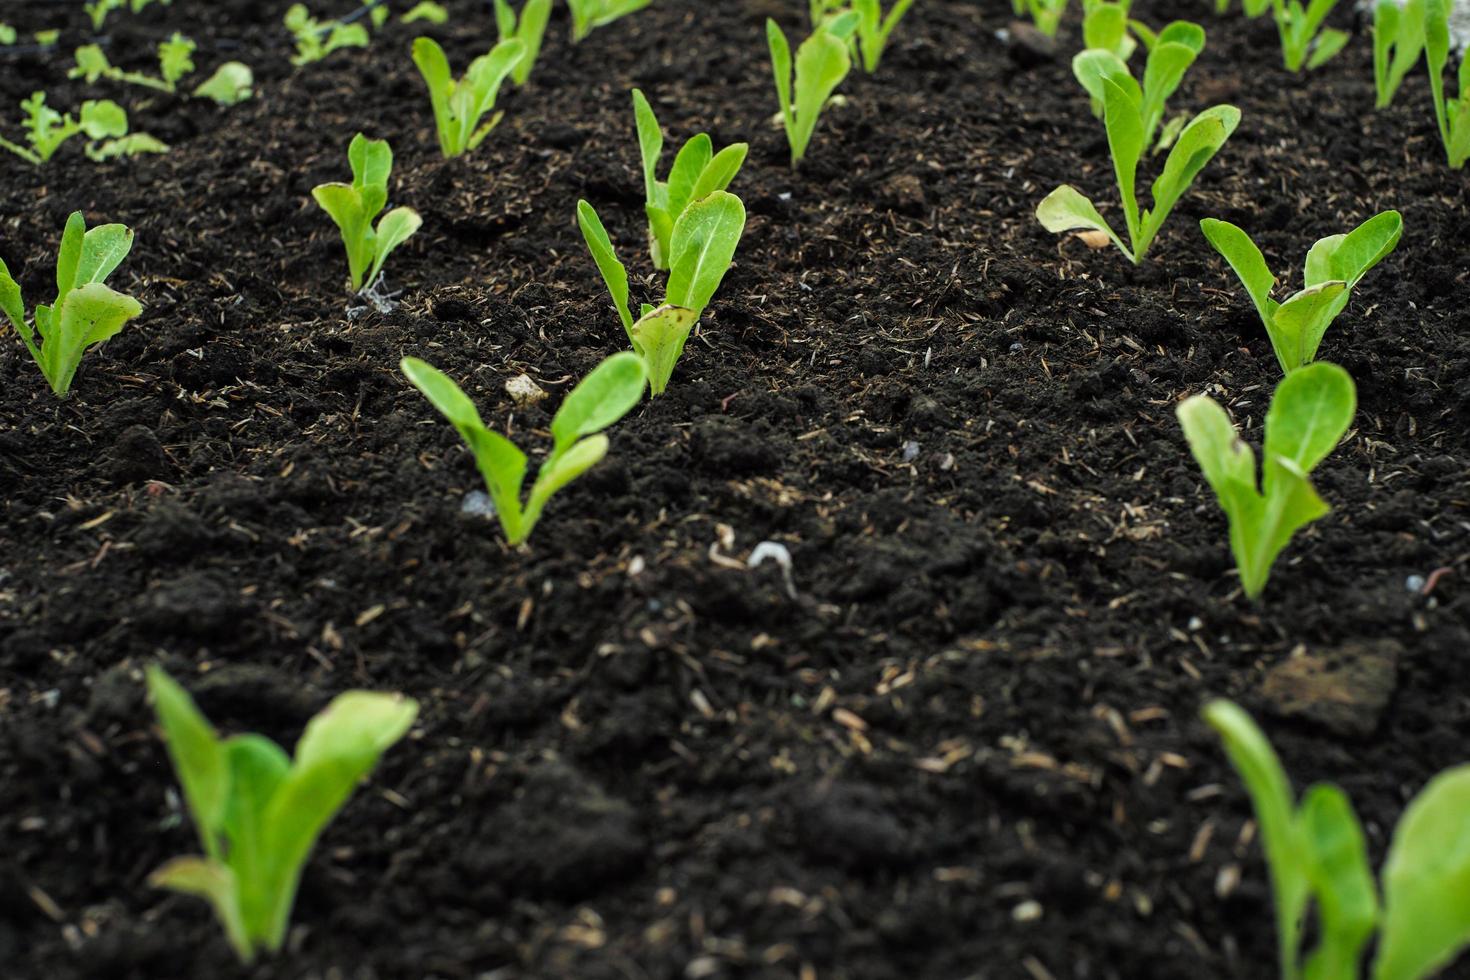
(1028, 911)
(1414, 583)
(478, 504)
(910, 451)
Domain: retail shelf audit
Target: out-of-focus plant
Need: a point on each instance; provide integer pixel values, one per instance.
(232, 83)
(354, 206)
(460, 105)
(1452, 114)
(175, 60)
(1304, 41)
(587, 15)
(1045, 14)
(529, 27)
(1398, 41)
(316, 39)
(1171, 52)
(427, 11)
(103, 122)
(822, 62)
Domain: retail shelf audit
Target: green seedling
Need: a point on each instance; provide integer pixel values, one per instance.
(1105, 28)
(460, 105)
(822, 62)
(1398, 41)
(1171, 52)
(259, 812)
(587, 15)
(315, 39)
(611, 391)
(1452, 115)
(1310, 411)
(1315, 853)
(175, 60)
(701, 249)
(1045, 14)
(529, 28)
(697, 172)
(1125, 114)
(1334, 266)
(85, 312)
(354, 206)
(8, 35)
(103, 122)
(427, 11)
(1304, 42)
(231, 84)
(1251, 8)
(875, 28)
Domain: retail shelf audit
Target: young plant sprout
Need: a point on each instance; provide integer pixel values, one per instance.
(315, 39)
(99, 9)
(1334, 266)
(1170, 54)
(1453, 114)
(697, 172)
(175, 60)
(1129, 112)
(1105, 28)
(529, 28)
(1045, 14)
(259, 812)
(103, 122)
(1310, 411)
(607, 394)
(588, 15)
(822, 62)
(354, 206)
(1398, 41)
(85, 312)
(231, 84)
(1303, 39)
(460, 105)
(1315, 853)
(427, 11)
(701, 249)
(875, 28)
(8, 35)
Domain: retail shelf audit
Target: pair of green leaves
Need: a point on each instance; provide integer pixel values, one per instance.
(1127, 115)
(1170, 54)
(1334, 266)
(1398, 41)
(697, 173)
(103, 121)
(874, 28)
(257, 811)
(175, 60)
(1453, 114)
(1303, 40)
(315, 40)
(529, 28)
(588, 15)
(603, 397)
(354, 206)
(460, 105)
(822, 62)
(701, 248)
(1310, 411)
(86, 311)
(1315, 851)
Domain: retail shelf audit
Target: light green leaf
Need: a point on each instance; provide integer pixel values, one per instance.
(1126, 142)
(427, 11)
(89, 315)
(231, 84)
(703, 246)
(215, 883)
(1309, 414)
(103, 250)
(1299, 324)
(103, 118)
(611, 391)
(780, 50)
(613, 272)
(562, 469)
(198, 758)
(1065, 209)
(1236, 247)
(720, 171)
(343, 203)
(393, 230)
(1341, 882)
(1197, 146)
(689, 164)
(659, 337)
(650, 146)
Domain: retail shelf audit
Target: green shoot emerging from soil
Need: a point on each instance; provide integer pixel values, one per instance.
(529, 28)
(697, 172)
(354, 206)
(1398, 41)
(1315, 852)
(588, 15)
(1310, 411)
(607, 394)
(231, 84)
(701, 248)
(822, 62)
(315, 40)
(259, 812)
(1131, 113)
(103, 122)
(1334, 266)
(175, 60)
(1170, 54)
(1304, 42)
(1452, 114)
(875, 28)
(460, 105)
(86, 312)
(1045, 14)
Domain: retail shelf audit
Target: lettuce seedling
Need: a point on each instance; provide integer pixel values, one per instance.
(1105, 28)
(460, 105)
(85, 312)
(607, 394)
(1310, 411)
(1124, 109)
(529, 28)
(1045, 14)
(1398, 41)
(701, 249)
(1452, 115)
(47, 129)
(1334, 266)
(258, 811)
(697, 172)
(1171, 52)
(1315, 852)
(232, 83)
(97, 10)
(874, 28)
(354, 206)
(315, 39)
(1303, 39)
(822, 62)
(175, 60)
(8, 35)
(588, 15)
(427, 11)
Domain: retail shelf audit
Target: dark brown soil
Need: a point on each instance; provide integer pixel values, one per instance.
(969, 747)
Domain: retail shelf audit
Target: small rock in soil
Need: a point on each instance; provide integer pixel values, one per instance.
(137, 456)
(477, 503)
(1027, 46)
(523, 391)
(1344, 689)
(903, 193)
